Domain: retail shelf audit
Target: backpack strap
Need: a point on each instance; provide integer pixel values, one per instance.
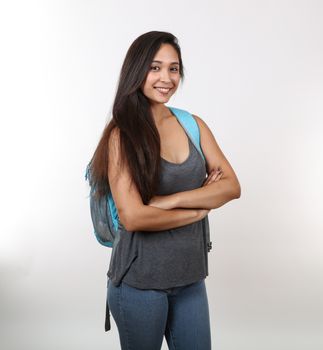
(190, 125)
(114, 212)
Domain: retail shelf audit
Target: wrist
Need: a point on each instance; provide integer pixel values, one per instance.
(200, 214)
(175, 200)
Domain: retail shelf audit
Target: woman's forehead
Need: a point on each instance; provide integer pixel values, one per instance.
(166, 54)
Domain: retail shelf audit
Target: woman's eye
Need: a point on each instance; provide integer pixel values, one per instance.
(156, 68)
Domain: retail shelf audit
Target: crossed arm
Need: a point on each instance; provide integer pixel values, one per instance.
(219, 188)
(178, 209)
(206, 198)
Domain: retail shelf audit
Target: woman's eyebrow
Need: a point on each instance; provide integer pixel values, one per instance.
(170, 63)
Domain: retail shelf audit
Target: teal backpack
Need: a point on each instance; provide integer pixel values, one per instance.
(104, 213)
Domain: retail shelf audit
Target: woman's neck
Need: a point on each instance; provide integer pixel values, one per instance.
(160, 112)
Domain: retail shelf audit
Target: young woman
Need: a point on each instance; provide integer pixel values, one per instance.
(163, 191)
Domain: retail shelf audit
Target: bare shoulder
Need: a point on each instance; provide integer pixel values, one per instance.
(204, 128)
(205, 131)
(199, 120)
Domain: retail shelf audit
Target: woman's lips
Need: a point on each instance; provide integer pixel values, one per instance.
(163, 91)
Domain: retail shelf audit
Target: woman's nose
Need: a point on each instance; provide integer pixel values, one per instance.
(164, 75)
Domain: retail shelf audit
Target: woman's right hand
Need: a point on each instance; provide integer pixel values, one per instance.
(202, 213)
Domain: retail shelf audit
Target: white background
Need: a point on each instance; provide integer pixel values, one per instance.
(254, 74)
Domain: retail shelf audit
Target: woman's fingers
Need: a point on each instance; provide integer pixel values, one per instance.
(215, 175)
(208, 179)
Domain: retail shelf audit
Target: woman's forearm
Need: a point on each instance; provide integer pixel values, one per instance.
(211, 196)
(148, 218)
(215, 192)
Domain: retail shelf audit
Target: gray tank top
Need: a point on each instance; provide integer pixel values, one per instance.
(167, 258)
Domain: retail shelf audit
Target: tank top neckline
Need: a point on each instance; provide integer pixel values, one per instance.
(183, 162)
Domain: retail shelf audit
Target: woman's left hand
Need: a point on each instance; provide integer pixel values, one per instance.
(214, 176)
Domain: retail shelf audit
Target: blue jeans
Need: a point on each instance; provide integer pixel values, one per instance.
(144, 316)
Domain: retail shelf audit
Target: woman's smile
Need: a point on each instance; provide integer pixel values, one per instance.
(163, 91)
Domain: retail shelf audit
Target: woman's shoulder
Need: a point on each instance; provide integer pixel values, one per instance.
(200, 122)
(197, 118)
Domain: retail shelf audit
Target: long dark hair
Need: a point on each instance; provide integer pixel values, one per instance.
(131, 113)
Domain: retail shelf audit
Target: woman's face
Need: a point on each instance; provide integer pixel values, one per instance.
(163, 77)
